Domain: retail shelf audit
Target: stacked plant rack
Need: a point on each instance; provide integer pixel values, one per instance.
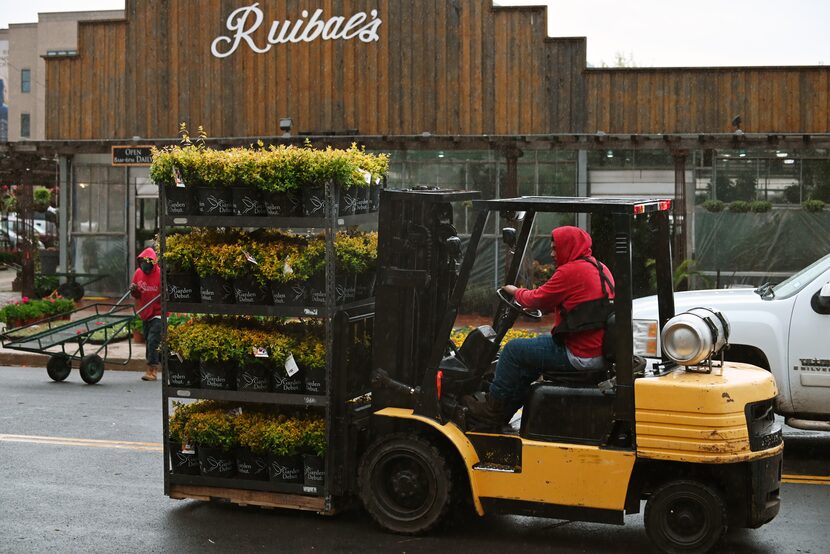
(293, 199)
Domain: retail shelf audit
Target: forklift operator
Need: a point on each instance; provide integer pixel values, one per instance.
(579, 293)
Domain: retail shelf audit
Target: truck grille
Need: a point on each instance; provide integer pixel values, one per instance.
(764, 432)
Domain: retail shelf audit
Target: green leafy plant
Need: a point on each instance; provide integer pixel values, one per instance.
(813, 205)
(252, 429)
(283, 438)
(714, 206)
(760, 206)
(740, 206)
(41, 197)
(183, 411)
(313, 438)
(26, 309)
(214, 428)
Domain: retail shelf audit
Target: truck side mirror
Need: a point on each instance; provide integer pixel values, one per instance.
(508, 235)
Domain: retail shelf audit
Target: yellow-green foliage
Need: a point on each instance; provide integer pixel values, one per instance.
(460, 333)
(314, 436)
(213, 428)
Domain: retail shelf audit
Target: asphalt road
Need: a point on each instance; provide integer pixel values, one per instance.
(81, 471)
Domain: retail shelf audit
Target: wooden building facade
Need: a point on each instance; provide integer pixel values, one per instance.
(391, 67)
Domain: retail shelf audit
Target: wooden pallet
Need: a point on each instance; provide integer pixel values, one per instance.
(243, 497)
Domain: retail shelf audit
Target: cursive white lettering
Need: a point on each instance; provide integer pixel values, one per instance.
(244, 22)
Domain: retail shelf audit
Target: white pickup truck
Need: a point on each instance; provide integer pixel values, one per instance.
(784, 328)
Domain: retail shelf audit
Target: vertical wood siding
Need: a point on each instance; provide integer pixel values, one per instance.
(440, 66)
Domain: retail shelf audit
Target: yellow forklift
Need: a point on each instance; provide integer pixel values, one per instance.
(694, 436)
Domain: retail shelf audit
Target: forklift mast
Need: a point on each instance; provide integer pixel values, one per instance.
(419, 257)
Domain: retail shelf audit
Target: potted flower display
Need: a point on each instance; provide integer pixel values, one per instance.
(252, 449)
(286, 375)
(313, 443)
(214, 435)
(283, 440)
(254, 364)
(183, 458)
(287, 285)
(182, 363)
(182, 282)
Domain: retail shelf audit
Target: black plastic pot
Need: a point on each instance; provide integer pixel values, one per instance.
(214, 200)
(364, 201)
(249, 291)
(314, 201)
(317, 291)
(217, 375)
(314, 470)
(285, 469)
(254, 376)
(182, 463)
(250, 465)
(283, 204)
(182, 286)
(344, 288)
(348, 201)
(179, 200)
(216, 462)
(216, 290)
(182, 374)
(365, 285)
(314, 380)
(281, 382)
(289, 294)
(247, 201)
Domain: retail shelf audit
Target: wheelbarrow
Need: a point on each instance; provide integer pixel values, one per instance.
(67, 341)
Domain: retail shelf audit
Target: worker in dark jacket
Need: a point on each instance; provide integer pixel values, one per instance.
(581, 286)
(145, 288)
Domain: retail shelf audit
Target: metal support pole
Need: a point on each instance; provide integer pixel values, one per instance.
(679, 209)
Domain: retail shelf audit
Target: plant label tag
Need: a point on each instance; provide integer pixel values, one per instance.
(236, 411)
(260, 352)
(291, 367)
(250, 258)
(188, 449)
(177, 177)
(179, 356)
(287, 269)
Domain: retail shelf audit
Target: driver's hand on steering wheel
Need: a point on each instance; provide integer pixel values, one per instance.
(510, 289)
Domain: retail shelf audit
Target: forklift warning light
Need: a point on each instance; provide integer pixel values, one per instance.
(662, 205)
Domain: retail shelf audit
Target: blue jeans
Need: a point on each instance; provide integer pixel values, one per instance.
(521, 362)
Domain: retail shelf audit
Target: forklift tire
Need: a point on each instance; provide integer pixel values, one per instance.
(687, 517)
(58, 367)
(92, 368)
(405, 484)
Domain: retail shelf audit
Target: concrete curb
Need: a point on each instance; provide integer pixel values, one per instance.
(25, 359)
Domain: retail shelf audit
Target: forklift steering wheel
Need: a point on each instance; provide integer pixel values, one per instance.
(511, 303)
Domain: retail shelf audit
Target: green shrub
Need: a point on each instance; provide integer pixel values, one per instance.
(314, 436)
(813, 205)
(760, 206)
(740, 206)
(212, 429)
(714, 206)
(27, 309)
(42, 197)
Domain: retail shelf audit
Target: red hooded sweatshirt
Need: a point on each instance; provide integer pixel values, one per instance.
(149, 287)
(573, 282)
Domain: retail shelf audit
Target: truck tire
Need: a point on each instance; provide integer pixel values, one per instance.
(684, 516)
(405, 484)
(58, 367)
(92, 368)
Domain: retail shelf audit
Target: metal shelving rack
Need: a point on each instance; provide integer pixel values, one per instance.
(337, 319)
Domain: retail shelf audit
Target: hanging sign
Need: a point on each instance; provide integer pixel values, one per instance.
(244, 22)
(132, 155)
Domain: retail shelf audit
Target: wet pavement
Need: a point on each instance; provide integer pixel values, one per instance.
(81, 471)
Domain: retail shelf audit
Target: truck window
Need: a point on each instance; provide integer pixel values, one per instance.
(794, 284)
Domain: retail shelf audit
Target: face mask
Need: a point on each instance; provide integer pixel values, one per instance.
(147, 267)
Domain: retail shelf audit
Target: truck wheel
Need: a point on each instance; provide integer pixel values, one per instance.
(405, 484)
(686, 517)
(58, 367)
(92, 368)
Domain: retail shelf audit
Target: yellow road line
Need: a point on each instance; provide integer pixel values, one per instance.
(807, 479)
(91, 443)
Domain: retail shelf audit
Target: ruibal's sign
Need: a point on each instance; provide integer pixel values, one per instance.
(244, 22)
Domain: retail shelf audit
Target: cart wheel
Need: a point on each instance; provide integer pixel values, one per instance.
(92, 368)
(72, 290)
(58, 367)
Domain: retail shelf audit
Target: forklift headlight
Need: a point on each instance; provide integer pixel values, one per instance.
(695, 336)
(645, 338)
